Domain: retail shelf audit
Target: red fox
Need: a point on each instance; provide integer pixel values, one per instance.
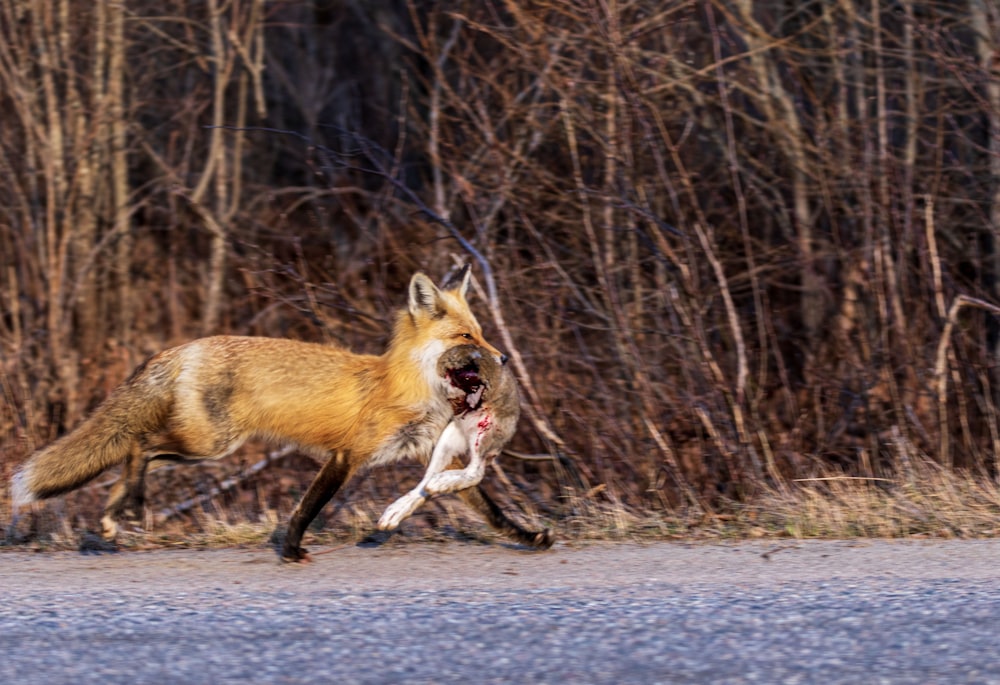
(486, 414)
(204, 399)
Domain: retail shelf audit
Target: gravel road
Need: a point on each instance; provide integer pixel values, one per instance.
(795, 612)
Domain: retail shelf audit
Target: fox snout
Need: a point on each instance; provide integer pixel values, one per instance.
(498, 356)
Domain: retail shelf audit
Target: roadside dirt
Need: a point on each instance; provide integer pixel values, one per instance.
(415, 566)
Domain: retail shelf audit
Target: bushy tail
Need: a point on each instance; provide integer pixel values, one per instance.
(101, 441)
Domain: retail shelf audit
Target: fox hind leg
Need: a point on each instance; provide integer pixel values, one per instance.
(128, 494)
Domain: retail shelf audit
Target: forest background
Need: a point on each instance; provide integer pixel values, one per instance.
(743, 253)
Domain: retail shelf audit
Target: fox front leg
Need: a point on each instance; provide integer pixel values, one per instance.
(335, 472)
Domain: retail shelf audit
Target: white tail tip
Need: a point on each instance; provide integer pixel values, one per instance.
(19, 490)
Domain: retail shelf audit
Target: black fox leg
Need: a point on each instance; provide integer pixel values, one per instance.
(477, 498)
(127, 498)
(335, 472)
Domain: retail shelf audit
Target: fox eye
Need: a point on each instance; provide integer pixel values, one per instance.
(466, 336)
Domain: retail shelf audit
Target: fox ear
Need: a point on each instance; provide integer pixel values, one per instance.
(424, 296)
(457, 281)
(463, 277)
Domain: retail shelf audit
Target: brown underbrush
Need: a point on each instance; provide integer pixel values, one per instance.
(743, 255)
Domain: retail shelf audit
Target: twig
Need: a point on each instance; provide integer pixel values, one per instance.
(671, 459)
(804, 480)
(940, 374)
(529, 457)
(337, 548)
(226, 485)
(932, 250)
(774, 550)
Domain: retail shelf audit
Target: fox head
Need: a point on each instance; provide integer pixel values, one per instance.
(436, 320)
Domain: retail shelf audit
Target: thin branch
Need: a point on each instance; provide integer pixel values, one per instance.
(940, 370)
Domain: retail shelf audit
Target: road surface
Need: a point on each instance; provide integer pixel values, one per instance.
(763, 612)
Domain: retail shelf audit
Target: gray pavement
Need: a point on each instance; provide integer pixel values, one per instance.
(785, 612)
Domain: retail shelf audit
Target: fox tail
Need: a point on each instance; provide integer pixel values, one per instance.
(104, 439)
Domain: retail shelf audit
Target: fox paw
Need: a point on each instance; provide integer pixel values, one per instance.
(542, 539)
(296, 555)
(91, 543)
(109, 528)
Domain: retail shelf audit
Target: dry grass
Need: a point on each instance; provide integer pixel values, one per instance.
(927, 501)
(930, 502)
